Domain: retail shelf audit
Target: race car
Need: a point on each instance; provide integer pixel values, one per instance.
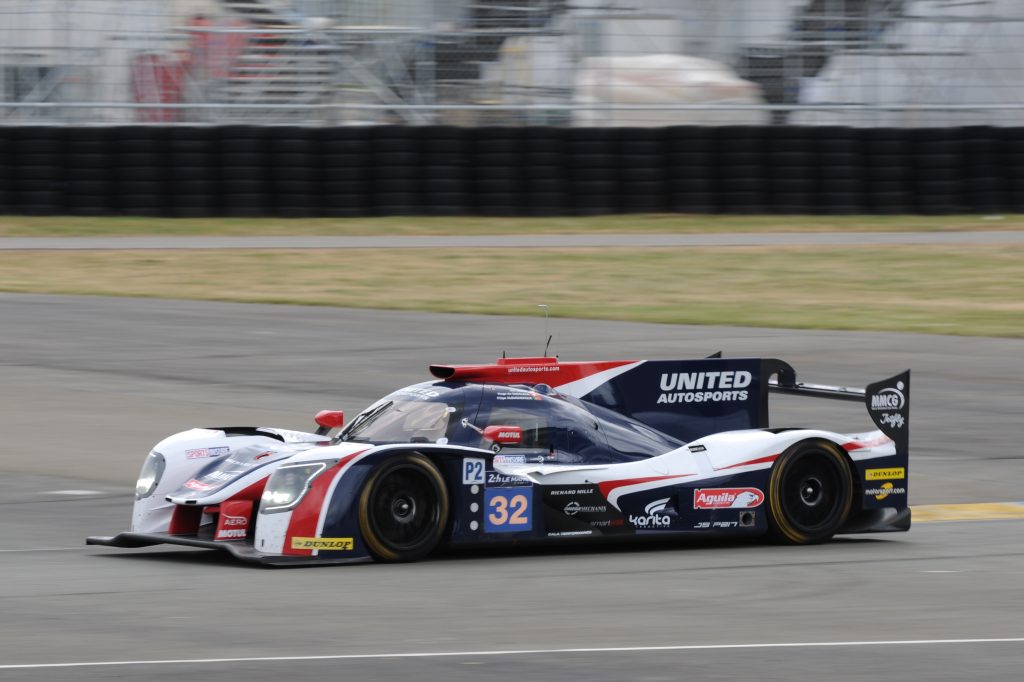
(533, 450)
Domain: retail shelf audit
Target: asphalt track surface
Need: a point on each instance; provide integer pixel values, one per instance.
(88, 384)
(518, 241)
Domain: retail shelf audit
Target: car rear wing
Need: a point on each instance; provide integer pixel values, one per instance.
(887, 401)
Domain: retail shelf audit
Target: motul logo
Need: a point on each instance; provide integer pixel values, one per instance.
(696, 381)
(508, 434)
(230, 534)
(727, 498)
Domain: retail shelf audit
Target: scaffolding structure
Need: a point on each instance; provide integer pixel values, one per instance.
(471, 62)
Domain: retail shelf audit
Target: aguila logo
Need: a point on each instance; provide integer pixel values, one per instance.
(727, 498)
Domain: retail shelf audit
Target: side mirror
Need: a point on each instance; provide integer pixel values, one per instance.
(504, 435)
(329, 419)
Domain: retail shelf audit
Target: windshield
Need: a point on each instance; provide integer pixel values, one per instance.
(402, 421)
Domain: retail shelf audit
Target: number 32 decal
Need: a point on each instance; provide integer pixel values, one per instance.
(508, 510)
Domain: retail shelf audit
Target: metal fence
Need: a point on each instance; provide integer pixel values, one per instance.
(513, 62)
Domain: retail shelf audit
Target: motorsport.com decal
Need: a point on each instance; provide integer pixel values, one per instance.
(699, 387)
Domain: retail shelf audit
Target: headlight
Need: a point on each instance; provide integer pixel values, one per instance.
(149, 477)
(288, 485)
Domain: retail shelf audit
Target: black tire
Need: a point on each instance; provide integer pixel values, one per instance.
(403, 509)
(810, 493)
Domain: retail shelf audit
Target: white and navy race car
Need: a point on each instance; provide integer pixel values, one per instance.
(533, 450)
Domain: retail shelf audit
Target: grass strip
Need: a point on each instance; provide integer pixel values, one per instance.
(959, 290)
(71, 226)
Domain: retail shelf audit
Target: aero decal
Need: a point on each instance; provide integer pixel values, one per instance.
(582, 387)
(306, 517)
(750, 462)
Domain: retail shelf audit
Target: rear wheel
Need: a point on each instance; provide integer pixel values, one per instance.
(810, 492)
(403, 509)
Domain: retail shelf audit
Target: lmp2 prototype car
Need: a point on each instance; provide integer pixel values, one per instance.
(533, 450)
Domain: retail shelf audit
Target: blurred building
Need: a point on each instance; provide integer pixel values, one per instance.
(586, 62)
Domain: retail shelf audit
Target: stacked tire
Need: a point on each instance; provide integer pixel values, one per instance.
(294, 171)
(545, 182)
(938, 170)
(193, 172)
(983, 184)
(792, 167)
(344, 168)
(1011, 140)
(445, 170)
(38, 173)
(395, 165)
(497, 165)
(139, 165)
(642, 168)
(742, 169)
(690, 170)
(887, 171)
(841, 169)
(592, 170)
(90, 171)
(244, 171)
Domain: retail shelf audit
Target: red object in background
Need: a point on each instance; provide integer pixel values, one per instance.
(160, 78)
(212, 54)
(157, 79)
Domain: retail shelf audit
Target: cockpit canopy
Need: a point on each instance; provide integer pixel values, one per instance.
(554, 428)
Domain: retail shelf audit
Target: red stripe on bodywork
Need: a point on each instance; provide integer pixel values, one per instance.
(860, 445)
(525, 371)
(185, 520)
(306, 516)
(759, 460)
(609, 486)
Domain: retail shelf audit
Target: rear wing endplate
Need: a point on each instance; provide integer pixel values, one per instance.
(887, 401)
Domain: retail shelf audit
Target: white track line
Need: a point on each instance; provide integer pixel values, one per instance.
(42, 549)
(522, 652)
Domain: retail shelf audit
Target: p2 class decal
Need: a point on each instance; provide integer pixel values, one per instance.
(727, 498)
(472, 471)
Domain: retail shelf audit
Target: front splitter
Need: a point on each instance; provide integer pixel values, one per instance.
(241, 550)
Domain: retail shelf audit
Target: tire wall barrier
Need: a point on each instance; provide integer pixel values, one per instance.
(295, 172)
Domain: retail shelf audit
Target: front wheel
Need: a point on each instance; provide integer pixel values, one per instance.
(403, 509)
(810, 493)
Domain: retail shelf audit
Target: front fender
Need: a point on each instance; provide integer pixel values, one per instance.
(184, 455)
